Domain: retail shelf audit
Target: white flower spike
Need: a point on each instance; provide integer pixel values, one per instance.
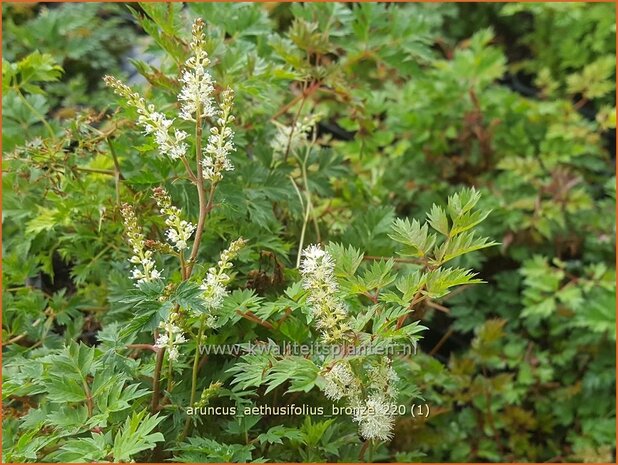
(197, 85)
(170, 142)
(171, 337)
(317, 269)
(217, 278)
(146, 270)
(179, 231)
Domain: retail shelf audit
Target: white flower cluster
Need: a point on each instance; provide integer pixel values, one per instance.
(178, 231)
(196, 102)
(317, 269)
(220, 145)
(340, 381)
(195, 96)
(217, 278)
(141, 255)
(171, 337)
(373, 413)
(376, 421)
(170, 142)
(289, 138)
(383, 379)
(372, 410)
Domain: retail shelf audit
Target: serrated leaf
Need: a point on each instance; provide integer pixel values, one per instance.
(63, 389)
(68, 418)
(438, 220)
(410, 284)
(188, 295)
(461, 244)
(204, 450)
(467, 221)
(46, 219)
(376, 276)
(462, 202)
(136, 436)
(439, 281)
(347, 259)
(415, 237)
(36, 67)
(251, 371)
(275, 435)
(93, 449)
(302, 374)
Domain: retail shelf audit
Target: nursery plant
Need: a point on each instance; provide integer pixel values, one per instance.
(309, 233)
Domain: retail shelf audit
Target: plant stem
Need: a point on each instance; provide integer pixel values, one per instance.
(15, 339)
(437, 306)
(309, 203)
(88, 393)
(205, 205)
(196, 361)
(183, 266)
(142, 347)
(95, 170)
(157, 380)
(117, 174)
(189, 170)
(169, 375)
(441, 342)
(249, 315)
(417, 298)
(295, 120)
(199, 182)
(361, 455)
(301, 243)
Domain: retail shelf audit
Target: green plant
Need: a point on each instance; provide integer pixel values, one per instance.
(66, 47)
(352, 124)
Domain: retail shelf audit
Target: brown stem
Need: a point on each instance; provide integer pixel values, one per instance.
(288, 312)
(371, 297)
(200, 193)
(142, 347)
(457, 291)
(580, 103)
(304, 94)
(417, 298)
(441, 342)
(183, 266)
(156, 382)
(203, 361)
(169, 376)
(249, 315)
(205, 207)
(205, 204)
(361, 455)
(307, 92)
(296, 116)
(192, 176)
(442, 308)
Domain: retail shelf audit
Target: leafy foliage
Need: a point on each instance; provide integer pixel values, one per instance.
(430, 147)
